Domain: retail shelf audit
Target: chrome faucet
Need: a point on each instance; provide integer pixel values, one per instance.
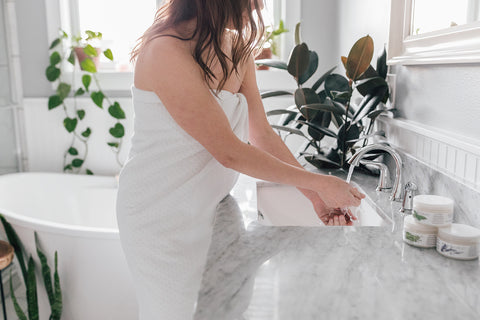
(355, 160)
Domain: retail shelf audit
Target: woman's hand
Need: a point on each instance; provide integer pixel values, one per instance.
(336, 193)
(332, 216)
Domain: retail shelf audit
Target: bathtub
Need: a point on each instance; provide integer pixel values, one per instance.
(74, 215)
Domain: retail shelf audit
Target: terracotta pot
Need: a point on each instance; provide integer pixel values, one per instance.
(82, 56)
(266, 53)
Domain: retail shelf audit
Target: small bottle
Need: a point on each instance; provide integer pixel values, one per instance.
(458, 241)
(433, 210)
(419, 235)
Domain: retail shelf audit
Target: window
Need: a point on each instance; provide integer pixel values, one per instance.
(121, 23)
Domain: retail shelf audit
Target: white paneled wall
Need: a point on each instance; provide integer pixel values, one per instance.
(47, 139)
(452, 154)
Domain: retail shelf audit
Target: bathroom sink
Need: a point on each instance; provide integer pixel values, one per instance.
(284, 205)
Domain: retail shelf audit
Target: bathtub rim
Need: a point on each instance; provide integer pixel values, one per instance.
(55, 227)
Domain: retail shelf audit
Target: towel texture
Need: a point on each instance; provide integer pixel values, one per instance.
(168, 191)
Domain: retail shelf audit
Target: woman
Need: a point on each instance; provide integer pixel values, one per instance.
(196, 105)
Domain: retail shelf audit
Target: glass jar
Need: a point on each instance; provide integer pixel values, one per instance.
(433, 210)
(458, 241)
(419, 235)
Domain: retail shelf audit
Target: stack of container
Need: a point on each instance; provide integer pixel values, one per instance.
(431, 225)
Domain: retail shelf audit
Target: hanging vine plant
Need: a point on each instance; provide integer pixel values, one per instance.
(66, 51)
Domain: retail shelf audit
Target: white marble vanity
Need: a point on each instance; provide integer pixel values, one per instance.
(264, 272)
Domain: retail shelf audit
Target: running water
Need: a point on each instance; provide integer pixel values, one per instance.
(350, 172)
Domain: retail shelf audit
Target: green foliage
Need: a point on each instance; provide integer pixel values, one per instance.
(63, 53)
(29, 277)
(325, 108)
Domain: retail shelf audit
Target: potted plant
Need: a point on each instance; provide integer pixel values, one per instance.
(63, 52)
(88, 47)
(326, 109)
(270, 45)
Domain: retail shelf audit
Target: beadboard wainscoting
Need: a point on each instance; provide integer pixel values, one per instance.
(47, 139)
(449, 153)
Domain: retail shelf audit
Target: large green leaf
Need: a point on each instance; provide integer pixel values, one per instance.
(108, 54)
(346, 133)
(71, 57)
(369, 103)
(77, 162)
(272, 63)
(298, 39)
(88, 65)
(275, 93)
(54, 43)
(54, 101)
(87, 132)
(323, 130)
(312, 67)
(57, 306)
(63, 90)
(118, 131)
(90, 51)
(32, 300)
(52, 73)
(70, 124)
(337, 83)
(116, 111)
(366, 86)
(305, 96)
(81, 114)
(324, 107)
(73, 151)
(289, 130)
(382, 68)
(47, 277)
(277, 112)
(320, 80)
(97, 97)
(359, 57)
(18, 310)
(86, 80)
(320, 161)
(299, 60)
(55, 58)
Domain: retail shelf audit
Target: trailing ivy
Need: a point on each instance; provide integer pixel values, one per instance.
(65, 51)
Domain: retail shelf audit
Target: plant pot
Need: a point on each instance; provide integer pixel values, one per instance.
(82, 56)
(266, 53)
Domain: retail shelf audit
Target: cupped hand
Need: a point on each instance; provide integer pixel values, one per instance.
(336, 193)
(333, 216)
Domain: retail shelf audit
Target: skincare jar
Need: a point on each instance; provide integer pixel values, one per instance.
(419, 235)
(458, 241)
(433, 210)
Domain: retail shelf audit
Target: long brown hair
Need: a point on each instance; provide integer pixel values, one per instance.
(212, 19)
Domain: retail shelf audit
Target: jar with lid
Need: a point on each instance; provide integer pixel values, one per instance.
(458, 241)
(419, 235)
(433, 210)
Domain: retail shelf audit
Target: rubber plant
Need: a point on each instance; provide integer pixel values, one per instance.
(63, 53)
(326, 108)
(54, 291)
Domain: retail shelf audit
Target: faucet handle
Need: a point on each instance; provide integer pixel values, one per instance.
(384, 179)
(409, 193)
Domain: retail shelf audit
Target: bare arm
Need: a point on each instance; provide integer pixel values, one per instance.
(173, 73)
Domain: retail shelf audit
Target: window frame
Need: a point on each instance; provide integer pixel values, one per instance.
(459, 44)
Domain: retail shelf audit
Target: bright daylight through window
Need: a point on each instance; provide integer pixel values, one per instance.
(121, 23)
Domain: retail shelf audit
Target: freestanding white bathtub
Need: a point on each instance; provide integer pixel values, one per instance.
(74, 215)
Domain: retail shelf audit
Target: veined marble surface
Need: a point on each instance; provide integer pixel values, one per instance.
(256, 272)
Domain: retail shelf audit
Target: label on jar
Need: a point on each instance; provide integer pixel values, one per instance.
(419, 239)
(457, 251)
(434, 219)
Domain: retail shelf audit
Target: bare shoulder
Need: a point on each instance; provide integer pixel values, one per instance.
(159, 59)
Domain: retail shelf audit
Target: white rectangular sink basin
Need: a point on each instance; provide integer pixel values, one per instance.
(284, 205)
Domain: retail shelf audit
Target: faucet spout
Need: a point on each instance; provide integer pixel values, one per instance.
(355, 161)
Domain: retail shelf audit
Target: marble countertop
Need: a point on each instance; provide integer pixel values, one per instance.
(261, 272)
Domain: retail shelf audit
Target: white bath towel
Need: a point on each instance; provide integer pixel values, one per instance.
(168, 191)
